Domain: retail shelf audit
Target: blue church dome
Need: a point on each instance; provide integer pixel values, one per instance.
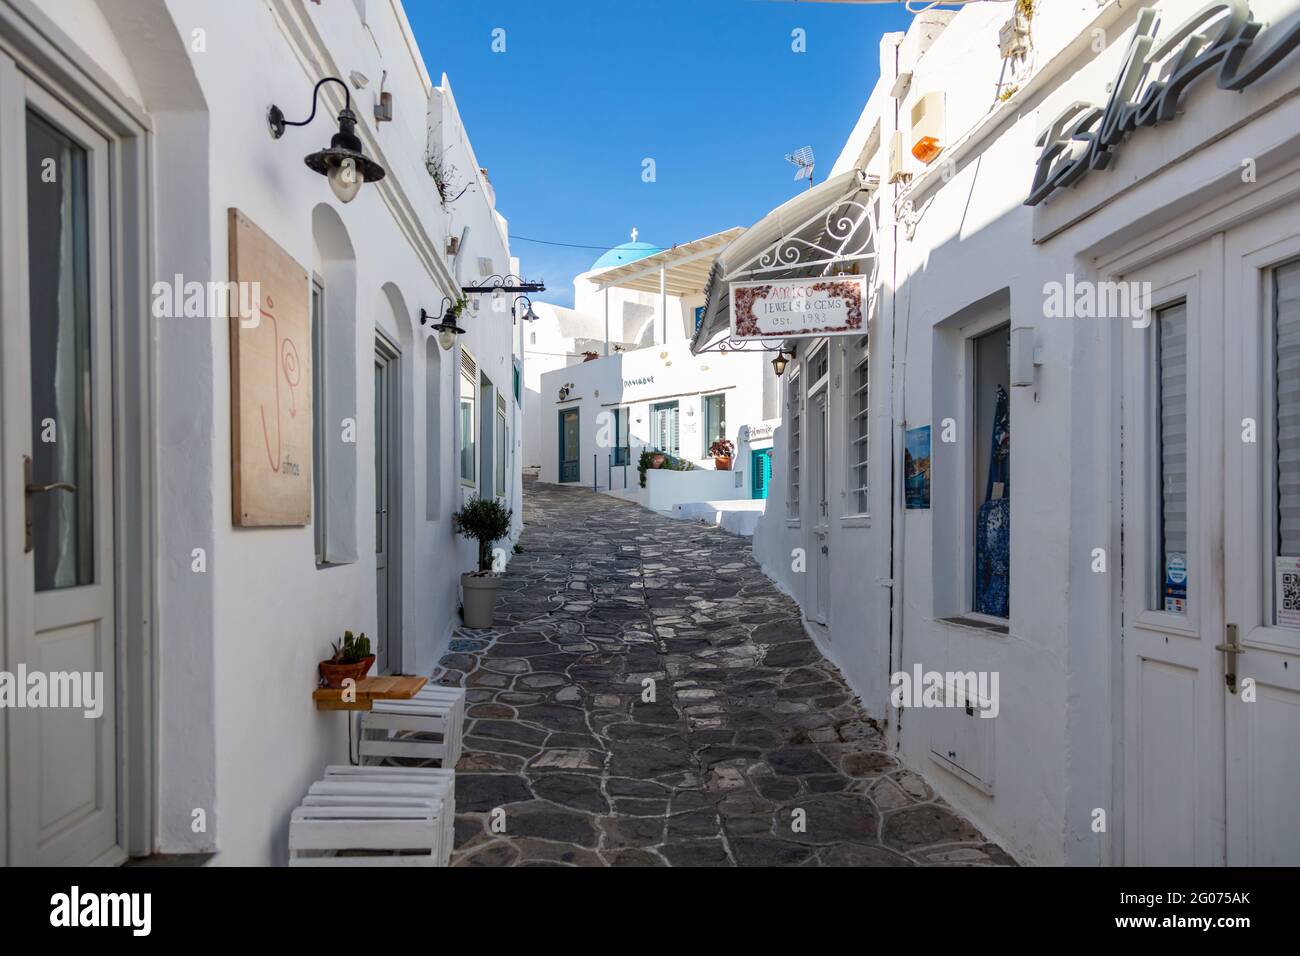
(622, 255)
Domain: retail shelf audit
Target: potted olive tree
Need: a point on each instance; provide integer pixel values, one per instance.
(486, 521)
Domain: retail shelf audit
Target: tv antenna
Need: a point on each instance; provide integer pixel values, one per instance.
(803, 158)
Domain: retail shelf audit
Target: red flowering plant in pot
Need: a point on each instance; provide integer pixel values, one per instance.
(352, 658)
(722, 452)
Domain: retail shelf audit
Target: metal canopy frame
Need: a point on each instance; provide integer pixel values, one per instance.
(823, 244)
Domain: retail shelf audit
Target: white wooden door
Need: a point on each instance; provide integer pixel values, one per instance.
(1173, 687)
(1262, 525)
(59, 590)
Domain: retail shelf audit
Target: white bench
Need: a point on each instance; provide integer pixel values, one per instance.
(375, 816)
(426, 727)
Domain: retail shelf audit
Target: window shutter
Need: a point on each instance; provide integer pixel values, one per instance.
(1173, 430)
(1287, 357)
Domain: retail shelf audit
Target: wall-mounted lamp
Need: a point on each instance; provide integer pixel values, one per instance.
(343, 163)
(446, 328)
(779, 363)
(529, 315)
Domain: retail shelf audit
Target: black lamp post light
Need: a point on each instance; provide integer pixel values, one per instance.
(343, 162)
(529, 315)
(446, 329)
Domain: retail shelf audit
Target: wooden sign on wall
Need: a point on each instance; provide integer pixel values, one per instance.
(270, 382)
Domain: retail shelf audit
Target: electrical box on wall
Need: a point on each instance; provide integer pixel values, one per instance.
(927, 127)
(1024, 356)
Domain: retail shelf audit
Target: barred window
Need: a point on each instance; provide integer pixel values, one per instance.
(856, 362)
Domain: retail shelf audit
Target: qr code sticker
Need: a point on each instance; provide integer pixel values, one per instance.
(1291, 590)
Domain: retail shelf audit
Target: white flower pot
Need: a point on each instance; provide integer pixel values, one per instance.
(480, 597)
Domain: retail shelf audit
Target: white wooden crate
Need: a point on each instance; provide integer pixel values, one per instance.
(428, 726)
(364, 816)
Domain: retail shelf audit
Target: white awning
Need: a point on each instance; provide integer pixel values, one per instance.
(685, 268)
(827, 230)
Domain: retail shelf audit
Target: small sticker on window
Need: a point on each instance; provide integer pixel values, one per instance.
(1286, 592)
(1176, 582)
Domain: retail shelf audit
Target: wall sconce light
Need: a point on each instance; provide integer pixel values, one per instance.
(446, 329)
(343, 163)
(779, 363)
(529, 315)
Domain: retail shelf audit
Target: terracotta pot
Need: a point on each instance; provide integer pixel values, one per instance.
(657, 460)
(722, 463)
(335, 674)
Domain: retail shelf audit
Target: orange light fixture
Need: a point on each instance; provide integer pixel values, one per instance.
(926, 149)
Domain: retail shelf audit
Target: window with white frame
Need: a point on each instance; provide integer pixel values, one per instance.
(468, 420)
(794, 415)
(857, 417)
(1286, 386)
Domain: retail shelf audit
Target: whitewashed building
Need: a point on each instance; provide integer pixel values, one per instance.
(138, 163)
(601, 403)
(1128, 289)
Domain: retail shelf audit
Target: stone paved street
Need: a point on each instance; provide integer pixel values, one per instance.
(751, 732)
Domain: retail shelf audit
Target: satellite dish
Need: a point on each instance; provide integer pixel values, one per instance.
(802, 158)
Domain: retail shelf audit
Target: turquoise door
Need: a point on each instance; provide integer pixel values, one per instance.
(760, 466)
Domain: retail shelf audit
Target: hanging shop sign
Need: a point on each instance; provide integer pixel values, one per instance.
(787, 308)
(1136, 102)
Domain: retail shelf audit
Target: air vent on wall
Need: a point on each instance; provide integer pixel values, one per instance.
(468, 365)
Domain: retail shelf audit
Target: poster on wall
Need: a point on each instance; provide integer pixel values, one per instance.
(916, 468)
(1286, 592)
(270, 382)
(784, 308)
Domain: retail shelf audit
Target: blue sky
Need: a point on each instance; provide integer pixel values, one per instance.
(585, 91)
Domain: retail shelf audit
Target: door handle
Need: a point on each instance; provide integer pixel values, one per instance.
(1231, 648)
(29, 489)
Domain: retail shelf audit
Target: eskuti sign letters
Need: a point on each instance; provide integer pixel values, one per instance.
(783, 308)
(1188, 53)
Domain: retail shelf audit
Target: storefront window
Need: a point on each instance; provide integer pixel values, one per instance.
(993, 474)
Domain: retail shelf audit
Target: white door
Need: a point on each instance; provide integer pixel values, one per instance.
(57, 454)
(1173, 687)
(1262, 540)
(818, 425)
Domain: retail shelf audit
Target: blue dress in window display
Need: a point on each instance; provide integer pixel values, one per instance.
(993, 525)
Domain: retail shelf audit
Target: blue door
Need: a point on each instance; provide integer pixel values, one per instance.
(760, 466)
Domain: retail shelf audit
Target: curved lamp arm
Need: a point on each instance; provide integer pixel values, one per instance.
(275, 116)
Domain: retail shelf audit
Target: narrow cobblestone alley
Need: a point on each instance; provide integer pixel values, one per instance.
(753, 752)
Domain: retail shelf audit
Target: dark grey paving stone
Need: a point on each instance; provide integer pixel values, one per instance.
(478, 792)
(579, 791)
(913, 827)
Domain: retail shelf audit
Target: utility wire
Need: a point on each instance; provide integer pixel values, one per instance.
(577, 245)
